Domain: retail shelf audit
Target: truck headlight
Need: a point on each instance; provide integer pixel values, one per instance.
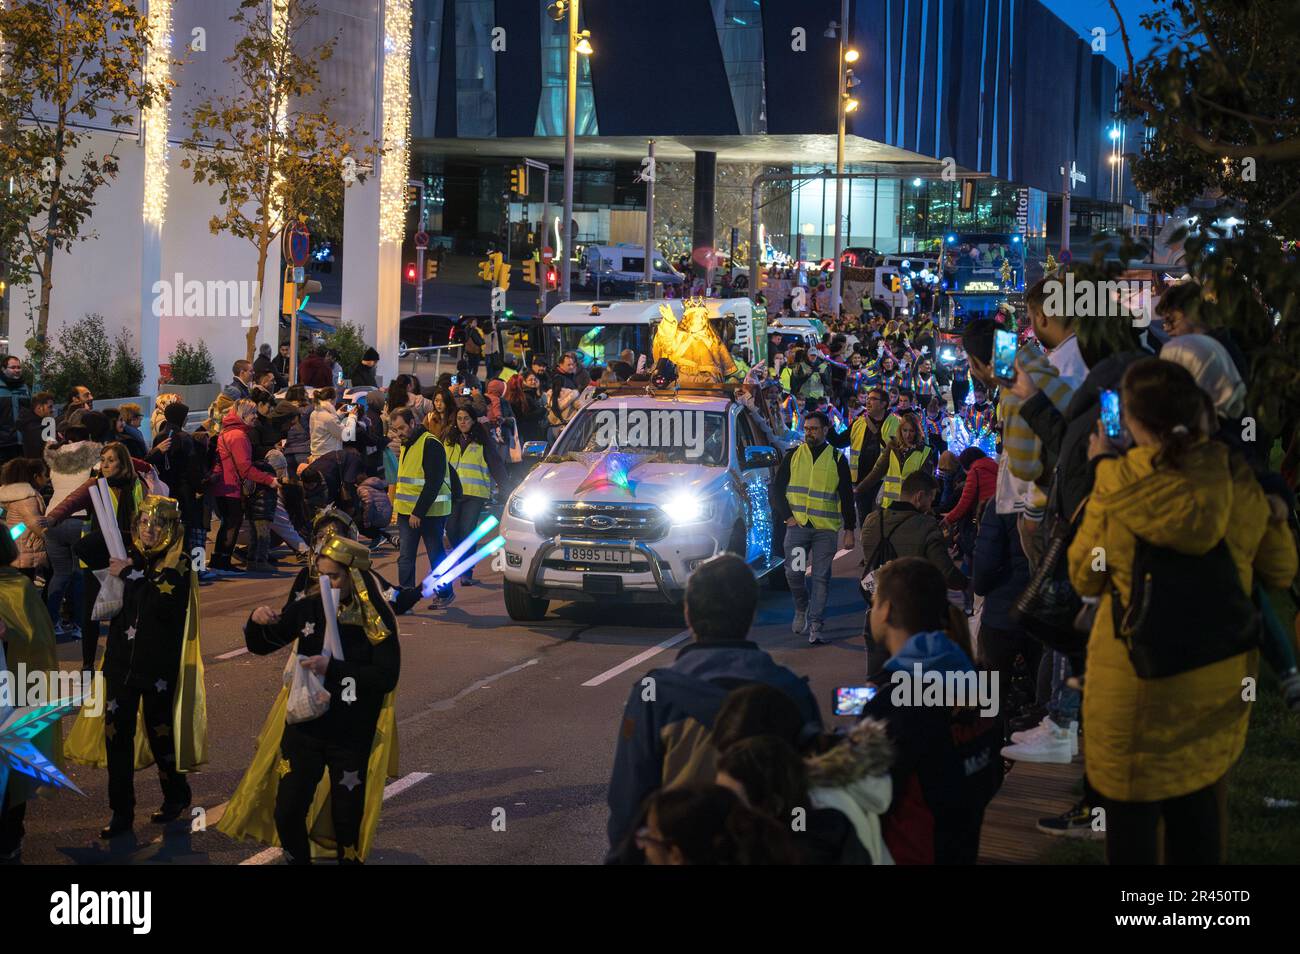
(529, 506)
(688, 507)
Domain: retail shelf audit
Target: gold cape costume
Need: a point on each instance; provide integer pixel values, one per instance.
(250, 814)
(85, 743)
(29, 641)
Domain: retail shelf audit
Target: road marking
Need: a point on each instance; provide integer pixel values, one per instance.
(442, 705)
(639, 658)
(233, 653)
(269, 855)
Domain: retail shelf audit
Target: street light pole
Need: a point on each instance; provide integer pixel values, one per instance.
(571, 120)
(837, 276)
(648, 274)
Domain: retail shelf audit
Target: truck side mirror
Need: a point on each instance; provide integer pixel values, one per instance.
(760, 455)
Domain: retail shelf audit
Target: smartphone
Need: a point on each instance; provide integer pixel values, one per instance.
(455, 379)
(466, 391)
(850, 700)
(1004, 355)
(1110, 416)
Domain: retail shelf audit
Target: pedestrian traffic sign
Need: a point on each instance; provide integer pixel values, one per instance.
(1065, 256)
(548, 255)
(421, 239)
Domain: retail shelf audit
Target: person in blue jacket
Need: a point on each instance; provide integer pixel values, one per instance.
(664, 739)
(946, 749)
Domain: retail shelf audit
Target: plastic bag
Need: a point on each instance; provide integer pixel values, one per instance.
(308, 697)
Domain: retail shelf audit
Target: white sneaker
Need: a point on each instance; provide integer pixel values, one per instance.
(800, 621)
(1045, 727)
(1052, 746)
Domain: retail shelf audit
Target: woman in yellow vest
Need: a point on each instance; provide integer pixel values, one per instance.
(472, 454)
(426, 487)
(905, 454)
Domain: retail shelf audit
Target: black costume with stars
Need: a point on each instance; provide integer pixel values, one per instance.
(141, 659)
(340, 740)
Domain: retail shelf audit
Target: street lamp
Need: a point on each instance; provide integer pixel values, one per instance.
(847, 104)
(579, 43)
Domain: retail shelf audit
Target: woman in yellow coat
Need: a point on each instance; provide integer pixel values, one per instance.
(1160, 749)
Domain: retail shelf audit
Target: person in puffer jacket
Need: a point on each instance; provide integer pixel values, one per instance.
(853, 778)
(21, 482)
(374, 508)
(234, 467)
(947, 765)
(664, 738)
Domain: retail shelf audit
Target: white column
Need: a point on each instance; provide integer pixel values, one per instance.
(150, 324)
(374, 213)
(268, 329)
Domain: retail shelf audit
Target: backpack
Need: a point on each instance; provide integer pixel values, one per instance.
(1184, 611)
(883, 553)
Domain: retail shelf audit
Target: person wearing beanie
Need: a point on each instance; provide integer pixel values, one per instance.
(97, 425)
(180, 464)
(363, 375)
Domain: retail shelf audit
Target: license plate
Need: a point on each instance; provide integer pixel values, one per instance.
(597, 555)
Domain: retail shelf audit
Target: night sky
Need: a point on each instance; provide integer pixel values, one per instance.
(1083, 15)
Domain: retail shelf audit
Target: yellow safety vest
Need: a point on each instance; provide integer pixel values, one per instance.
(893, 486)
(507, 373)
(785, 379)
(410, 482)
(471, 468)
(858, 437)
(813, 493)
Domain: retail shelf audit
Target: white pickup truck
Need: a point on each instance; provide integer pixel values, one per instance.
(697, 475)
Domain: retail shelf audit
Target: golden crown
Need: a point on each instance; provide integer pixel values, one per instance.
(690, 303)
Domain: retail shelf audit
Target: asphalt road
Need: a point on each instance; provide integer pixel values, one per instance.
(492, 715)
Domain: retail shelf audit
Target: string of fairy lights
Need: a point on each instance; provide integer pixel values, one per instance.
(155, 118)
(397, 120)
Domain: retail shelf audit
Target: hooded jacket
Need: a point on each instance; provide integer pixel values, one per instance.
(853, 778)
(235, 459)
(70, 464)
(665, 741)
(946, 760)
(1151, 739)
(24, 505)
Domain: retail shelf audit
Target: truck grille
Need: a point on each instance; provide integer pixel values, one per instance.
(605, 521)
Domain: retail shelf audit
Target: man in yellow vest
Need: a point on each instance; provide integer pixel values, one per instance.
(812, 494)
(426, 488)
(870, 432)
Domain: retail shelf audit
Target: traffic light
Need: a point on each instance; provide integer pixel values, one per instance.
(530, 271)
(485, 269)
(552, 278)
(289, 303)
(430, 269)
(894, 284)
(762, 279)
(967, 195)
(409, 273)
(503, 276)
(519, 180)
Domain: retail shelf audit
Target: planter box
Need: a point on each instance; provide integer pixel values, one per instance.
(196, 397)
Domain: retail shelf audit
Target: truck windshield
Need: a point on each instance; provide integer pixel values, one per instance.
(670, 434)
(599, 344)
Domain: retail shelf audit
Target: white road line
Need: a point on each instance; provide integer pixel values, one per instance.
(233, 653)
(270, 855)
(639, 658)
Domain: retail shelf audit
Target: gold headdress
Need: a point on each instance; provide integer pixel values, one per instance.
(165, 516)
(359, 611)
(691, 303)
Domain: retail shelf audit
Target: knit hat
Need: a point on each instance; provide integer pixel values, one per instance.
(176, 414)
(277, 460)
(370, 355)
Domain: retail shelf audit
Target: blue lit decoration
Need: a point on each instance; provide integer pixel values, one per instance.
(609, 471)
(19, 725)
(759, 538)
(957, 433)
(837, 419)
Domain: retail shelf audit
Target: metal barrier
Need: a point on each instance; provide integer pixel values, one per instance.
(416, 356)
